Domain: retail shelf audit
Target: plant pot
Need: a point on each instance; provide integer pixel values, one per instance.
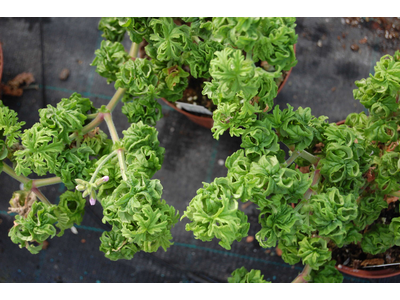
(380, 273)
(207, 121)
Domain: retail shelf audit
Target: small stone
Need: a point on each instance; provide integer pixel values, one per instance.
(64, 74)
(45, 245)
(333, 89)
(83, 241)
(221, 162)
(319, 43)
(249, 239)
(355, 47)
(363, 41)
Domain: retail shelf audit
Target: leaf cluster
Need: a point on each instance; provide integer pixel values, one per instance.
(243, 276)
(207, 48)
(40, 223)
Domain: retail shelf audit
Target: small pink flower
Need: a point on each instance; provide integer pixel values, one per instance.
(92, 201)
(106, 178)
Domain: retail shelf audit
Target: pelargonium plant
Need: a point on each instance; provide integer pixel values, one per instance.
(339, 186)
(329, 193)
(67, 141)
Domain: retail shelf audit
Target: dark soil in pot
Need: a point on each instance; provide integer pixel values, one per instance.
(352, 255)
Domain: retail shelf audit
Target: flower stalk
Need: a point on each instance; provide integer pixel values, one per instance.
(115, 139)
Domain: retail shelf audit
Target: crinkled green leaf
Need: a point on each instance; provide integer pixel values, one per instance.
(214, 213)
(314, 252)
(109, 58)
(243, 276)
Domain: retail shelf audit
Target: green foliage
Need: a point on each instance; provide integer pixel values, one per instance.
(293, 127)
(331, 211)
(10, 128)
(327, 274)
(140, 220)
(208, 48)
(137, 28)
(243, 276)
(75, 162)
(69, 115)
(239, 89)
(71, 207)
(349, 174)
(314, 252)
(277, 222)
(109, 58)
(267, 39)
(168, 40)
(214, 213)
(37, 227)
(41, 147)
(394, 227)
(143, 153)
(378, 239)
(112, 30)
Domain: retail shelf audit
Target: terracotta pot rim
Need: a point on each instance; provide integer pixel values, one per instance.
(384, 273)
(207, 121)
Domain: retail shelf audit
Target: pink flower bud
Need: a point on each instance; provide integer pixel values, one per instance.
(92, 201)
(106, 178)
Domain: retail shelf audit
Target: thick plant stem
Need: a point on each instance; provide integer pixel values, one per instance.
(46, 181)
(92, 116)
(300, 278)
(396, 194)
(316, 178)
(115, 99)
(308, 156)
(115, 138)
(10, 171)
(292, 158)
(100, 116)
(133, 52)
(40, 195)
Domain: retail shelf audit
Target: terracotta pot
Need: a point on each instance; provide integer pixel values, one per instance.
(379, 273)
(207, 121)
(382, 273)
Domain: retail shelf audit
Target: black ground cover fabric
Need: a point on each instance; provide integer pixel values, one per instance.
(323, 79)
